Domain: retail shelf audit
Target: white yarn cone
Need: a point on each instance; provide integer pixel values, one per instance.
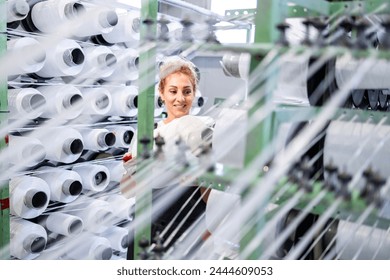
(28, 239)
(95, 177)
(26, 103)
(29, 196)
(65, 185)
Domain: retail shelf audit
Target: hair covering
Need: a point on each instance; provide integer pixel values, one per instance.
(171, 64)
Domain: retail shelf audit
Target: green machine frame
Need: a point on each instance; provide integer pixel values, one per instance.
(268, 14)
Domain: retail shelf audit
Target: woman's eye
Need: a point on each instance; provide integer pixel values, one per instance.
(188, 92)
(172, 91)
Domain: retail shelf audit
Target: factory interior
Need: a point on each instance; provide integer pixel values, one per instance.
(290, 163)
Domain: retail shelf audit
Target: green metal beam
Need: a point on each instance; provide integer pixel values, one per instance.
(359, 7)
(305, 8)
(292, 12)
(269, 14)
(319, 6)
(4, 188)
(145, 112)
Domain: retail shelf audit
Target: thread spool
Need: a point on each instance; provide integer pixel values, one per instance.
(97, 139)
(66, 58)
(98, 101)
(123, 208)
(172, 31)
(29, 196)
(126, 68)
(124, 101)
(90, 247)
(63, 224)
(217, 217)
(118, 237)
(27, 239)
(292, 82)
(62, 144)
(17, 10)
(96, 214)
(123, 135)
(33, 62)
(116, 169)
(228, 121)
(375, 79)
(48, 16)
(25, 103)
(65, 185)
(98, 20)
(351, 236)
(25, 151)
(158, 105)
(350, 146)
(63, 101)
(236, 65)
(126, 30)
(100, 62)
(197, 103)
(95, 177)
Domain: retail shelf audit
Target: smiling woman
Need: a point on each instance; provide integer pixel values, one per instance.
(177, 86)
(178, 82)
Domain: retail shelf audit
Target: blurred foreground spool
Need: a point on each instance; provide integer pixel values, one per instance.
(118, 237)
(123, 208)
(25, 103)
(376, 78)
(96, 214)
(25, 151)
(90, 247)
(96, 20)
(63, 101)
(98, 101)
(126, 68)
(350, 145)
(17, 10)
(28, 239)
(28, 55)
(236, 65)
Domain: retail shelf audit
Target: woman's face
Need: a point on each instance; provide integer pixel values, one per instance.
(178, 95)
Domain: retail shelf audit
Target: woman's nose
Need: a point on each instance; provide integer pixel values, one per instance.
(181, 97)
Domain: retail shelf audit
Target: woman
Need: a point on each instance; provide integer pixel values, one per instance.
(177, 87)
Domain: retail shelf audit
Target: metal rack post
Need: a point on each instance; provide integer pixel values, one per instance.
(145, 111)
